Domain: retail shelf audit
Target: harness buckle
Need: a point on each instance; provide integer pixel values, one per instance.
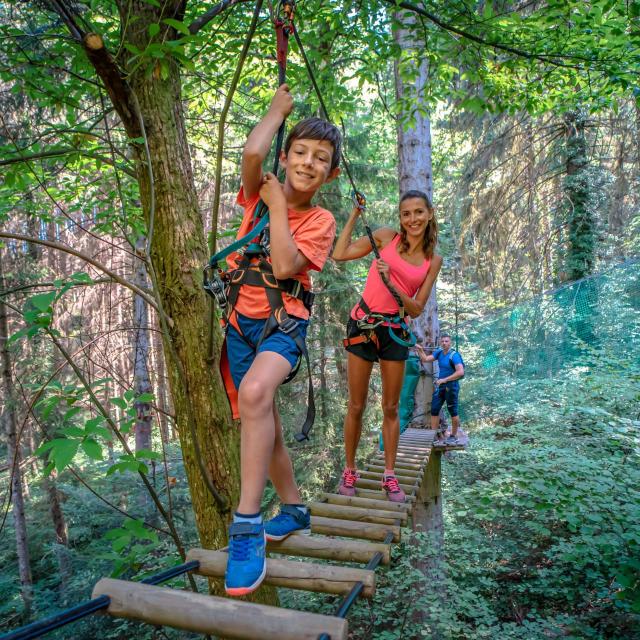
(297, 288)
(214, 285)
(288, 326)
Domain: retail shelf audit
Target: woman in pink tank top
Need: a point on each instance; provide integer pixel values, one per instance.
(408, 261)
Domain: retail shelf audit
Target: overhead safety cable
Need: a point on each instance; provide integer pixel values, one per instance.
(360, 202)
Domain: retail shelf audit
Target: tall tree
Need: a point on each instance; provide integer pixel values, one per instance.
(580, 254)
(13, 452)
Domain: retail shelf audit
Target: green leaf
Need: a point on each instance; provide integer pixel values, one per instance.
(153, 29)
(63, 452)
(178, 26)
(148, 455)
(42, 301)
(92, 449)
(73, 432)
(71, 412)
(119, 402)
(145, 397)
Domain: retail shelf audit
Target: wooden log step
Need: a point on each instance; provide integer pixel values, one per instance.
(413, 451)
(330, 548)
(407, 473)
(379, 495)
(368, 503)
(211, 615)
(375, 484)
(419, 445)
(405, 454)
(322, 578)
(401, 463)
(349, 512)
(410, 466)
(377, 475)
(351, 529)
(403, 459)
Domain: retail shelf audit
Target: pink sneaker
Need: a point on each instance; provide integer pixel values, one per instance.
(391, 486)
(348, 483)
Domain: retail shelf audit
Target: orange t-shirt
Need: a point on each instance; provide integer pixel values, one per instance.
(313, 232)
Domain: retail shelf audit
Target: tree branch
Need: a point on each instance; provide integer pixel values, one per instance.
(83, 256)
(208, 16)
(470, 36)
(54, 153)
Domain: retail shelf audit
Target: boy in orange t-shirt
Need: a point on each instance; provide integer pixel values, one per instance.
(301, 236)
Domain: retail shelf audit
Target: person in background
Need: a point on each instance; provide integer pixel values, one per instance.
(447, 386)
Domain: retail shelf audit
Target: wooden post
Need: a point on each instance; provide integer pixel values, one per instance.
(427, 518)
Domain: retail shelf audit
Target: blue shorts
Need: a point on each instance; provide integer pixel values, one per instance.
(447, 392)
(241, 349)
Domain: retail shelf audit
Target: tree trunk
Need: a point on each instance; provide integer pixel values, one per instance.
(60, 529)
(13, 455)
(580, 252)
(415, 172)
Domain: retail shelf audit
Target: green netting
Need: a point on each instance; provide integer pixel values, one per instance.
(559, 335)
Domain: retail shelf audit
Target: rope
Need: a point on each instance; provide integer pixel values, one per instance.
(359, 198)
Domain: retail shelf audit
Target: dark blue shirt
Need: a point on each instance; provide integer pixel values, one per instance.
(444, 361)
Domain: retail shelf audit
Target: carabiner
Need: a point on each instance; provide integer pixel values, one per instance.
(359, 200)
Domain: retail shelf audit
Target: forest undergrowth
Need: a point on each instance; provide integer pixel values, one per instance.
(541, 513)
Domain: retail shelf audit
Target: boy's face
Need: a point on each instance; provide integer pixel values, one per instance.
(308, 164)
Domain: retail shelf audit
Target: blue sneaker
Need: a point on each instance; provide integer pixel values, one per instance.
(247, 565)
(289, 520)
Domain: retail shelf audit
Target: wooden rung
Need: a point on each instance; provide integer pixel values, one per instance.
(375, 484)
(414, 444)
(360, 514)
(411, 463)
(399, 466)
(413, 451)
(211, 615)
(323, 578)
(408, 473)
(379, 495)
(368, 503)
(330, 548)
(405, 455)
(377, 475)
(351, 529)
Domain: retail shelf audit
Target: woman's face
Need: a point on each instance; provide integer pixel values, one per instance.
(414, 217)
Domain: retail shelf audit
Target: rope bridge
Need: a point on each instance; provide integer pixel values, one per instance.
(345, 529)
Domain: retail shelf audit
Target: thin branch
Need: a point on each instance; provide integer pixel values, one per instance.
(54, 153)
(216, 10)
(547, 58)
(83, 256)
(125, 445)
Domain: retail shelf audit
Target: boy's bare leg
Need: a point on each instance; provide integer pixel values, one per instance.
(455, 425)
(255, 397)
(280, 468)
(392, 376)
(358, 374)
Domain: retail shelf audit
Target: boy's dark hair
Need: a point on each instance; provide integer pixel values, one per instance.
(444, 335)
(317, 129)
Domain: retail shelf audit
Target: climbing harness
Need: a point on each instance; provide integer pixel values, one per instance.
(254, 268)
